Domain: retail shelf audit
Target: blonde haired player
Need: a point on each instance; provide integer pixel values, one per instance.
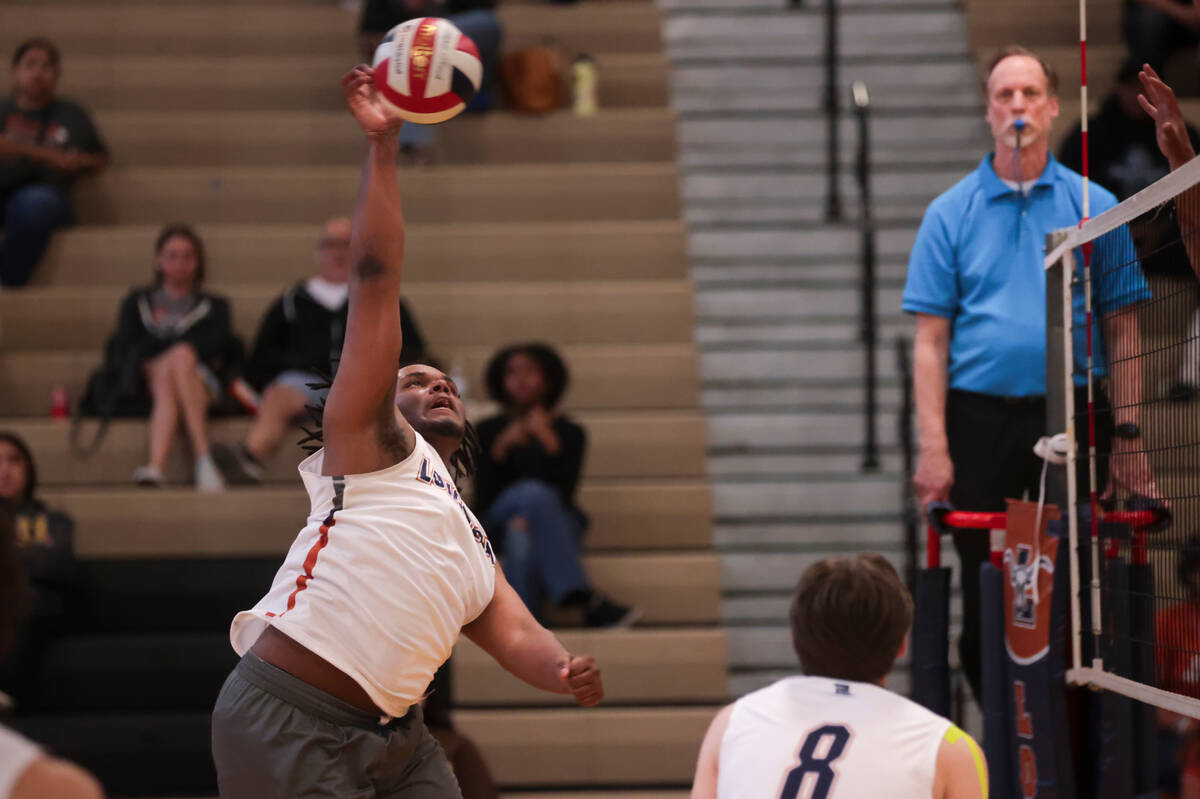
(391, 566)
(837, 733)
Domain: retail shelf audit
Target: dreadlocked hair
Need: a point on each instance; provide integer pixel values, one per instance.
(464, 461)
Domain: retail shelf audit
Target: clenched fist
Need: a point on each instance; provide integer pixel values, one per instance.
(582, 679)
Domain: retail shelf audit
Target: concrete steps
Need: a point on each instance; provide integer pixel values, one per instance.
(655, 311)
(525, 193)
(618, 443)
(593, 747)
(629, 376)
(258, 29)
(864, 31)
(288, 138)
(281, 254)
(134, 82)
(777, 284)
(625, 516)
(446, 196)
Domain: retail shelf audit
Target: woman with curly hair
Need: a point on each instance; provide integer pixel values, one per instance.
(531, 458)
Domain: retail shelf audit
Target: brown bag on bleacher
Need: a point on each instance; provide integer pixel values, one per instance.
(533, 79)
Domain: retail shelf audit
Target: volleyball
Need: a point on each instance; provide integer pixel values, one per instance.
(427, 70)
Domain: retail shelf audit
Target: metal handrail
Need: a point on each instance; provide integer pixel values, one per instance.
(868, 322)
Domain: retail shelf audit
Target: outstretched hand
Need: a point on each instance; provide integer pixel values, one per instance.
(582, 679)
(374, 115)
(1158, 100)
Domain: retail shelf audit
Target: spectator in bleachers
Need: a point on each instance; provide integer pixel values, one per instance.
(46, 540)
(1123, 152)
(295, 355)
(26, 772)
(532, 456)
(1155, 30)
(476, 18)
(45, 143)
(184, 346)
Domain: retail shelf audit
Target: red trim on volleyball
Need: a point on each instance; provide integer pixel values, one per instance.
(422, 48)
(465, 45)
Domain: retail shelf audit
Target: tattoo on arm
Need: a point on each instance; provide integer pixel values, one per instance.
(369, 266)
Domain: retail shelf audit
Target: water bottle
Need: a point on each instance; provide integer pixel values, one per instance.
(586, 81)
(60, 404)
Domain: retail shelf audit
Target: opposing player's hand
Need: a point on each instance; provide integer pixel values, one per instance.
(581, 677)
(934, 477)
(1129, 470)
(1158, 100)
(373, 115)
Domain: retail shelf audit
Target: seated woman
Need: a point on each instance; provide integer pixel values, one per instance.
(46, 541)
(183, 340)
(525, 486)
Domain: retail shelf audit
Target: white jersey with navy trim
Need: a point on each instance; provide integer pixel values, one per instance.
(383, 577)
(818, 738)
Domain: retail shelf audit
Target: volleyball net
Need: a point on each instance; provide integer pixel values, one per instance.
(1123, 376)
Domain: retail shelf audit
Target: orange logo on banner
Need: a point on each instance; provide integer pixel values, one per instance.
(1029, 558)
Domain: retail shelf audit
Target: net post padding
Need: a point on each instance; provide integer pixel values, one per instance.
(997, 740)
(1113, 768)
(931, 640)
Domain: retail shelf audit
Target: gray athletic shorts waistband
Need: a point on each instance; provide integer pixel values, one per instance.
(325, 706)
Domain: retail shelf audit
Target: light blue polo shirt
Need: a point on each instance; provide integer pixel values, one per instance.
(978, 261)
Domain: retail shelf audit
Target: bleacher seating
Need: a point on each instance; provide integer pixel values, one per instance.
(226, 113)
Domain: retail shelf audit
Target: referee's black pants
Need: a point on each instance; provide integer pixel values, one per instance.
(991, 446)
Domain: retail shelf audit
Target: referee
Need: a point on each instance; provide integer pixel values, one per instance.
(977, 286)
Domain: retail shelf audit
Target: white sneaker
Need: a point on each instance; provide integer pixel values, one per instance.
(148, 476)
(208, 478)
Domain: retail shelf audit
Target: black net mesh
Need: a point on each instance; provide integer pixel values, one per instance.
(1145, 423)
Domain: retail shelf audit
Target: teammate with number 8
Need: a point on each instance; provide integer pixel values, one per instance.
(838, 733)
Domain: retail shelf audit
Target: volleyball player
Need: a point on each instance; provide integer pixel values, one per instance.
(838, 733)
(391, 565)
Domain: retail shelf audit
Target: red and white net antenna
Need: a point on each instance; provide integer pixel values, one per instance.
(1087, 304)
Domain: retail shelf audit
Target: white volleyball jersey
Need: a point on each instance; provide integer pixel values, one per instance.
(17, 754)
(818, 738)
(389, 568)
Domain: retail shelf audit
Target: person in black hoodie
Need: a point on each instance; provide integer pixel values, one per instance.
(295, 355)
(532, 457)
(182, 339)
(46, 540)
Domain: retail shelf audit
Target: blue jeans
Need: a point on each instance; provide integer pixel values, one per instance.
(481, 26)
(31, 214)
(541, 556)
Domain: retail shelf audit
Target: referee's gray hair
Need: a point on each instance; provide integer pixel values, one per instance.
(1010, 50)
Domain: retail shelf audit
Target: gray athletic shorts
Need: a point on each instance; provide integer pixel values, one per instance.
(276, 737)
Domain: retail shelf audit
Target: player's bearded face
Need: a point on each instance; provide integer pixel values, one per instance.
(429, 401)
(1018, 89)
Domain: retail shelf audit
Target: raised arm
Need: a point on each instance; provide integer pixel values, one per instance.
(363, 430)
(507, 631)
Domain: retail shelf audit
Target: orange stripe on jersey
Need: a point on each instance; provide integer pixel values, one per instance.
(309, 563)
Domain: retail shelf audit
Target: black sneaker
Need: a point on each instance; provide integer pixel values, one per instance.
(602, 612)
(236, 465)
